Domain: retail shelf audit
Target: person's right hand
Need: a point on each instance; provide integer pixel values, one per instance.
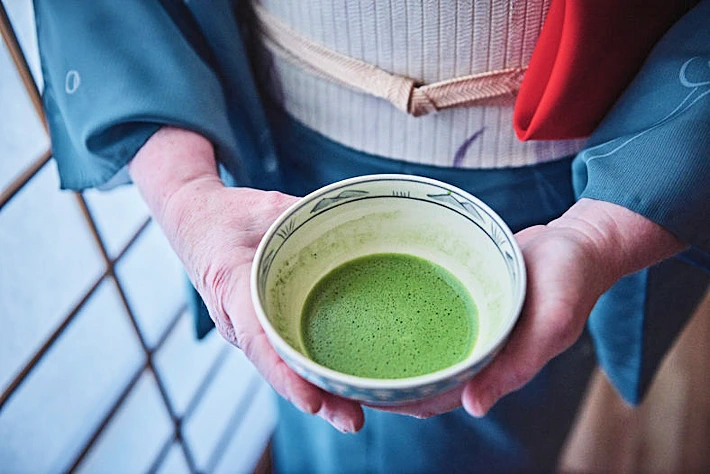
(215, 231)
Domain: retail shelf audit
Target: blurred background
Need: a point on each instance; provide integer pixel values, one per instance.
(99, 369)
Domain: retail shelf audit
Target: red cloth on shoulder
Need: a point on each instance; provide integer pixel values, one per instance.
(587, 53)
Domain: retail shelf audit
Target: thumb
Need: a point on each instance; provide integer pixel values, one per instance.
(510, 370)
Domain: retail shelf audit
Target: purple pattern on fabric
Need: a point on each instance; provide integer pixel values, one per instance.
(461, 152)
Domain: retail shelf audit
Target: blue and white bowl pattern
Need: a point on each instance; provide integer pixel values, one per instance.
(362, 190)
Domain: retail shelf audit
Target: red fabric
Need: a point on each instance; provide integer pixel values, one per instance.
(587, 53)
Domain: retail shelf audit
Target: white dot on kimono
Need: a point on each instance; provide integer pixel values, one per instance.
(72, 82)
(270, 163)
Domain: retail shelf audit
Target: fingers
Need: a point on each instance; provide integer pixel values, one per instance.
(305, 396)
(519, 361)
(443, 403)
(553, 317)
(509, 371)
(224, 283)
(344, 415)
(546, 327)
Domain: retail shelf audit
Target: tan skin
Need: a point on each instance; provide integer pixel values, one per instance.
(215, 231)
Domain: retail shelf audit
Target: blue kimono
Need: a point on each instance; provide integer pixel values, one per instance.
(115, 72)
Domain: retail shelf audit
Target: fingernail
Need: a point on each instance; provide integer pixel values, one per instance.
(343, 424)
(335, 424)
(307, 407)
(479, 406)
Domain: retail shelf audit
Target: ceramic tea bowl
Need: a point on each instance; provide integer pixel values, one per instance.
(387, 214)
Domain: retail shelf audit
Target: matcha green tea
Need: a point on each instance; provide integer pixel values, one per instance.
(389, 316)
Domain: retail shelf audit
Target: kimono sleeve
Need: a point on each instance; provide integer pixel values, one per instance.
(651, 154)
(114, 72)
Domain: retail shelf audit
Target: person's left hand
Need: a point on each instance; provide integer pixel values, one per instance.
(570, 263)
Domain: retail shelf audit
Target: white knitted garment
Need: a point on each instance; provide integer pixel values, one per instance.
(426, 40)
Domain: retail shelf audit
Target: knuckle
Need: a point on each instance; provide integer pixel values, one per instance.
(565, 334)
(214, 279)
(272, 198)
(214, 286)
(226, 329)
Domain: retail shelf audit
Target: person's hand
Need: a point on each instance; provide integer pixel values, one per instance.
(215, 231)
(565, 278)
(219, 231)
(567, 273)
(570, 263)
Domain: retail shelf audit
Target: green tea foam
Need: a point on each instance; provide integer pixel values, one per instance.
(389, 316)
